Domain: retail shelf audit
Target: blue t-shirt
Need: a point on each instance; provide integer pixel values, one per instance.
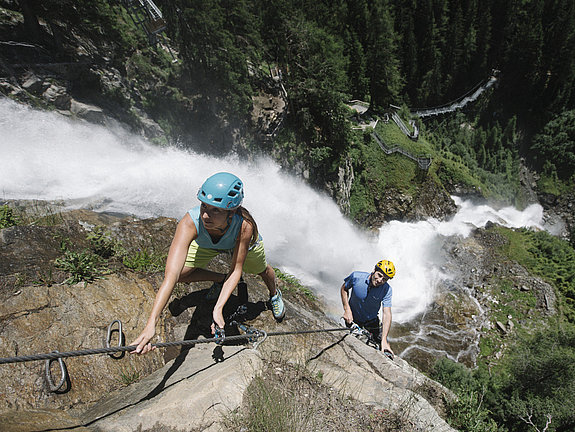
(364, 300)
(228, 240)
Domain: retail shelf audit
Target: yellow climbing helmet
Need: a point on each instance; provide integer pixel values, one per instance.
(386, 267)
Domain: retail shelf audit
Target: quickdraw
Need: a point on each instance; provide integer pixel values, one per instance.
(252, 334)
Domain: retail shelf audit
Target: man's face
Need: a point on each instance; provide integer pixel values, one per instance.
(378, 278)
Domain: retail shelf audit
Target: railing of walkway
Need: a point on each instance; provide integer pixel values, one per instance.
(423, 162)
(413, 135)
(427, 112)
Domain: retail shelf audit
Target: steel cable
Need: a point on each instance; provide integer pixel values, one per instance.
(108, 350)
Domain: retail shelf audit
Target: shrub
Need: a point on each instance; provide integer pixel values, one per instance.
(468, 412)
(101, 242)
(144, 261)
(7, 217)
(82, 266)
(538, 381)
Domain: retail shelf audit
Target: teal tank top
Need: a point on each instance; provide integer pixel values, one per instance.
(228, 240)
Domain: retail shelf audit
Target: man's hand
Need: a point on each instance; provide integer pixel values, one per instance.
(385, 347)
(143, 341)
(348, 316)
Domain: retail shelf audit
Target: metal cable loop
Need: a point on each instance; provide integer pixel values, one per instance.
(121, 341)
(51, 386)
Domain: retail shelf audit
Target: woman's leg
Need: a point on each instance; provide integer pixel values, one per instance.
(269, 278)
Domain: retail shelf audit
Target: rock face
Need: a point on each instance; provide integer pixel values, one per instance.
(431, 201)
(41, 319)
(171, 389)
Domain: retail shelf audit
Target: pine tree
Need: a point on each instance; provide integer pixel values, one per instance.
(383, 67)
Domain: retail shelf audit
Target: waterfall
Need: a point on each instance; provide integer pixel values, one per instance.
(47, 156)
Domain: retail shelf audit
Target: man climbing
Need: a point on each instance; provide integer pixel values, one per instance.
(362, 295)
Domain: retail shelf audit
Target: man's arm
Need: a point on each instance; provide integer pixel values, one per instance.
(385, 326)
(347, 314)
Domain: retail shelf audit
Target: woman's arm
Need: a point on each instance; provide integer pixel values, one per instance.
(185, 233)
(238, 259)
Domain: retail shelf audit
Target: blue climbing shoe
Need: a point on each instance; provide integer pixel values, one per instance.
(278, 307)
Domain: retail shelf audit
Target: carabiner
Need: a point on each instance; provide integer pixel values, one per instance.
(219, 334)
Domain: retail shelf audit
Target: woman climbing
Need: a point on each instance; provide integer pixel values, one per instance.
(219, 224)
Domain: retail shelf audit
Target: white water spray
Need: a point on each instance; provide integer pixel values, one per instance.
(49, 157)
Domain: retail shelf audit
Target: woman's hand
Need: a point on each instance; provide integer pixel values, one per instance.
(143, 341)
(218, 318)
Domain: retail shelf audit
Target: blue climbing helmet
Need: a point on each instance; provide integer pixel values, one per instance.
(223, 190)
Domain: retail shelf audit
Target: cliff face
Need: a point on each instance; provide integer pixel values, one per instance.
(174, 388)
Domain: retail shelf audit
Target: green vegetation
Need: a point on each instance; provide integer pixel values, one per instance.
(526, 379)
(128, 377)
(532, 388)
(376, 175)
(102, 254)
(144, 260)
(554, 147)
(82, 266)
(287, 397)
(380, 52)
(292, 284)
(392, 136)
(7, 217)
(549, 257)
(269, 409)
(468, 411)
(102, 243)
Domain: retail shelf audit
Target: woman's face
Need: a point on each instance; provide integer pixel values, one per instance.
(213, 217)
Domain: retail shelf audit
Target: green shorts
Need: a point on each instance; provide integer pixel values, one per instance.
(255, 263)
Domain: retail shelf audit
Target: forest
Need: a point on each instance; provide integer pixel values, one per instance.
(419, 53)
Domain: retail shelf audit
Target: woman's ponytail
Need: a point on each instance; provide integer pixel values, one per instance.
(249, 218)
